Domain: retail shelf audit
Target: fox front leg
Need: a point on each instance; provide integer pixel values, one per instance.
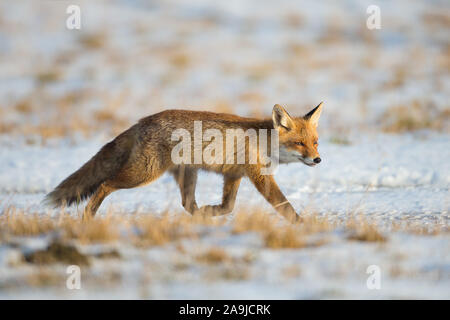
(230, 189)
(267, 186)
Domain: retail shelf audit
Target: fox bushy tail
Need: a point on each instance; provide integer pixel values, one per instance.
(81, 184)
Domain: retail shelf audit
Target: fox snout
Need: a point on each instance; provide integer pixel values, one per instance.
(310, 161)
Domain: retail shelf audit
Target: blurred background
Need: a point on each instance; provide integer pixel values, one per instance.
(133, 58)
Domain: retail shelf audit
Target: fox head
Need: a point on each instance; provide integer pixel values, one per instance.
(298, 139)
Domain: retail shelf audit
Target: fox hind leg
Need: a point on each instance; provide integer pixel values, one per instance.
(186, 179)
(230, 189)
(133, 174)
(96, 200)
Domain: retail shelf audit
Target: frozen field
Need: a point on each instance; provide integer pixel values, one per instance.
(365, 177)
(384, 142)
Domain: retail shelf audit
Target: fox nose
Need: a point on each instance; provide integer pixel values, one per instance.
(317, 160)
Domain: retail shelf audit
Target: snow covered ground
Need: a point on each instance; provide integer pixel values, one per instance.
(411, 267)
(384, 137)
(381, 177)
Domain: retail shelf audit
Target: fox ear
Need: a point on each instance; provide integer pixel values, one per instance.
(314, 115)
(281, 119)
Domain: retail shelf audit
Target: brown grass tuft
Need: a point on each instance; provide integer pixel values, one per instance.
(416, 116)
(93, 40)
(362, 230)
(436, 19)
(255, 221)
(180, 60)
(275, 236)
(214, 256)
(100, 229)
(48, 76)
(287, 237)
(161, 230)
(57, 252)
(18, 223)
(340, 140)
(24, 106)
(44, 278)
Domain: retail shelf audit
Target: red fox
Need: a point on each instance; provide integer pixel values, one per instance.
(146, 150)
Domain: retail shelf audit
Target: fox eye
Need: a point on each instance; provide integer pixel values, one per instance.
(300, 144)
(316, 143)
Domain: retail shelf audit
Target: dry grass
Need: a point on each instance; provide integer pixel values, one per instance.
(56, 116)
(14, 222)
(45, 117)
(153, 230)
(416, 116)
(260, 71)
(48, 76)
(143, 230)
(44, 278)
(68, 234)
(55, 129)
(340, 140)
(180, 60)
(93, 41)
(18, 223)
(276, 233)
(334, 32)
(159, 231)
(24, 106)
(418, 228)
(399, 76)
(361, 229)
(233, 273)
(214, 255)
(436, 19)
(286, 238)
(104, 229)
(57, 252)
(59, 126)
